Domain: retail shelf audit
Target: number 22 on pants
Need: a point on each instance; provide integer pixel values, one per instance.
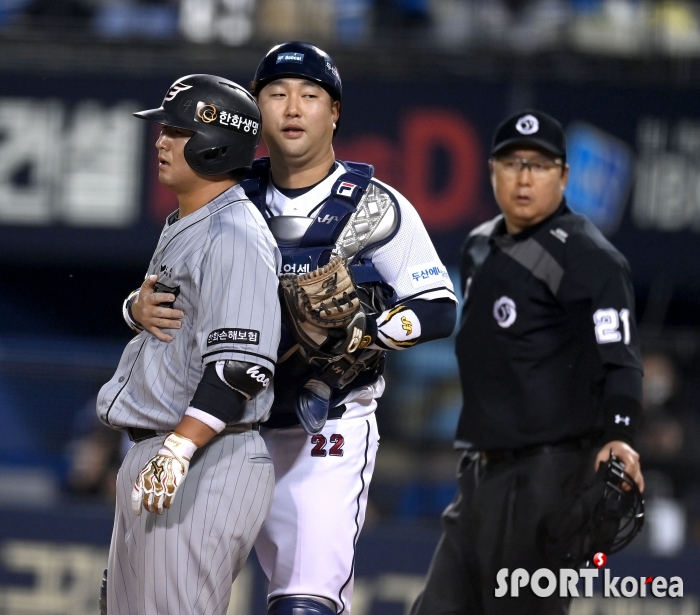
(319, 441)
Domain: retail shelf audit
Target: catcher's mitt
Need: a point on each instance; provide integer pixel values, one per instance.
(324, 310)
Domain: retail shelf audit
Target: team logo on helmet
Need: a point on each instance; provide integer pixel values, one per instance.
(527, 125)
(175, 90)
(206, 113)
(288, 56)
(331, 69)
(504, 312)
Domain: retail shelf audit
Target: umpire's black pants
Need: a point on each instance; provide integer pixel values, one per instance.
(492, 524)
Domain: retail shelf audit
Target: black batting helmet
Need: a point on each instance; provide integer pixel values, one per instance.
(298, 59)
(224, 117)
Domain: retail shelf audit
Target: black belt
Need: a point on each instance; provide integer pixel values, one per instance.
(136, 434)
(538, 449)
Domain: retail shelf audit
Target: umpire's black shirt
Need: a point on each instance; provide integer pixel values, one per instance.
(547, 346)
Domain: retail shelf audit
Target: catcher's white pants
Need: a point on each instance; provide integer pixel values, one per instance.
(307, 544)
(184, 561)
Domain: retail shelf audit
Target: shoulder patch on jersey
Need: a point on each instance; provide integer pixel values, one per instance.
(487, 227)
(374, 221)
(427, 273)
(234, 336)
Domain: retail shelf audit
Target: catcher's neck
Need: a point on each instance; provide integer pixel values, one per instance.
(295, 174)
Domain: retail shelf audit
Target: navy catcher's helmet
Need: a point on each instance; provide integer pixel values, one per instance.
(224, 117)
(297, 59)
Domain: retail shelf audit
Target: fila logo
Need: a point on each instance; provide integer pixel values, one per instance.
(622, 419)
(175, 90)
(327, 219)
(345, 189)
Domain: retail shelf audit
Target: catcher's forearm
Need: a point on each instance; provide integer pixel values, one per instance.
(412, 322)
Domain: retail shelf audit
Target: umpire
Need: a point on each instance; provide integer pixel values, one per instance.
(550, 370)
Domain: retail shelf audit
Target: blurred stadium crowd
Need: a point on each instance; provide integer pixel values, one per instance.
(415, 473)
(626, 27)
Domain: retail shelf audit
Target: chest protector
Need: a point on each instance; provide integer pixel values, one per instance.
(357, 216)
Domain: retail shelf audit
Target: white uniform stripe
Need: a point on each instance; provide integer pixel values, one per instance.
(358, 525)
(306, 544)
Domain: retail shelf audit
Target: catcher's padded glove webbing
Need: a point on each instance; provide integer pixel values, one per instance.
(323, 305)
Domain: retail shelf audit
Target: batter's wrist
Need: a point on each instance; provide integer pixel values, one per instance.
(126, 312)
(208, 419)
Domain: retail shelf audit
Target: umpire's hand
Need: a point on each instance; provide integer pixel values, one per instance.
(627, 455)
(152, 316)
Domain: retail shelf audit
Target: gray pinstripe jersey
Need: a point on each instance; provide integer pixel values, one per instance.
(225, 262)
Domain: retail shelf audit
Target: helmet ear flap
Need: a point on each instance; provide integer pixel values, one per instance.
(216, 160)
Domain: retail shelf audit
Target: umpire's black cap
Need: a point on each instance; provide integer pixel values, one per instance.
(530, 128)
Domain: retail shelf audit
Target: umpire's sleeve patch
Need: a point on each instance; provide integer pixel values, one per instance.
(238, 336)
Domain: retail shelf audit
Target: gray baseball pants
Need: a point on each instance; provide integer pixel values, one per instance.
(184, 561)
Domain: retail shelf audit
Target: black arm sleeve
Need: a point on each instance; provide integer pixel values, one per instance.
(215, 397)
(622, 404)
(437, 319)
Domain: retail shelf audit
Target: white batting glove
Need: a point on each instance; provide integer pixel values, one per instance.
(160, 478)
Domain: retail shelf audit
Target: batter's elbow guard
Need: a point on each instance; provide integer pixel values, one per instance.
(249, 379)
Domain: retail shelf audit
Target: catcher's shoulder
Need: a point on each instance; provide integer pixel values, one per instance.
(399, 199)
